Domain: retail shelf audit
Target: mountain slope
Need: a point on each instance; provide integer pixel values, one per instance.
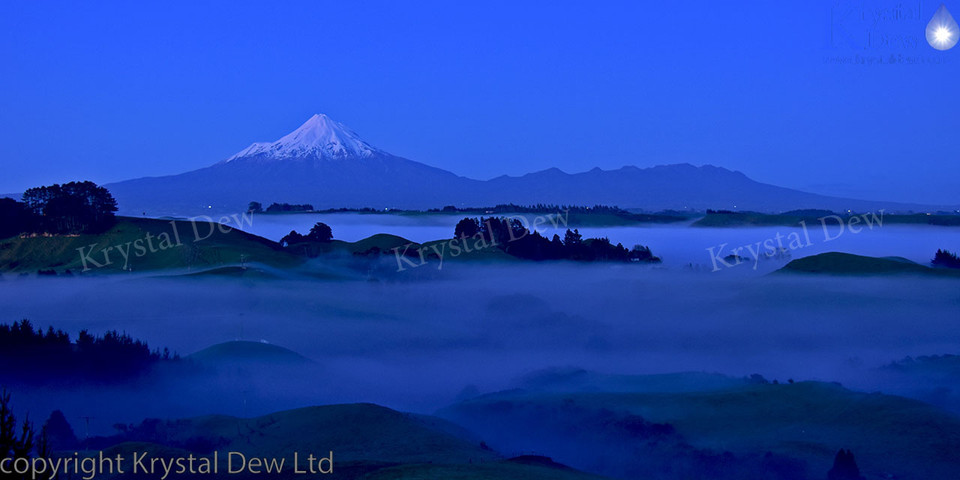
(325, 164)
(319, 137)
(680, 187)
(321, 162)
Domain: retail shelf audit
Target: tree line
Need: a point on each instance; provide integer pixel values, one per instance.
(257, 207)
(512, 236)
(71, 208)
(29, 354)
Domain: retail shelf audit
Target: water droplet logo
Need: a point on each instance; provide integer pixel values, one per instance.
(943, 31)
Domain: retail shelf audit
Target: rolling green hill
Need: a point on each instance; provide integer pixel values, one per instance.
(150, 244)
(389, 245)
(138, 244)
(374, 244)
(838, 263)
(247, 351)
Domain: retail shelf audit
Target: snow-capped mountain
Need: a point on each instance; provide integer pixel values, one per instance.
(327, 165)
(322, 163)
(320, 137)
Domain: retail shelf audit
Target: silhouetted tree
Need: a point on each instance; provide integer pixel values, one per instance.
(320, 232)
(946, 259)
(572, 238)
(468, 227)
(640, 253)
(292, 238)
(12, 443)
(844, 467)
(255, 207)
(15, 218)
(495, 231)
(58, 432)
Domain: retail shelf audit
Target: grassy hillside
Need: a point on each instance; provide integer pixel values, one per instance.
(838, 263)
(933, 379)
(892, 437)
(385, 244)
(363, 437)
(139, 244)
(188, 245)
(379, 243)
(368, 442)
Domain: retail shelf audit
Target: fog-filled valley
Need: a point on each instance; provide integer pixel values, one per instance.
(415, 340)
(714, 363)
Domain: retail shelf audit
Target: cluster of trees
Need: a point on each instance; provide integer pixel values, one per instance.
(943, 258)
(257, 207)
(319, 232)
(71, 208)
(19, 441)
(511, 236)
(30, 354)
(15, 218)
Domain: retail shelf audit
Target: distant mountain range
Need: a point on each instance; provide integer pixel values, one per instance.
(325, 164)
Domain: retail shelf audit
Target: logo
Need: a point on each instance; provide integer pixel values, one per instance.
(942, 31)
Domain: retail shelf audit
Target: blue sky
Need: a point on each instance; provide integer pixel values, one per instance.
(110, 91)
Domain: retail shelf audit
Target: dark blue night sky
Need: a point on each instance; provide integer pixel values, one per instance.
(839, 97)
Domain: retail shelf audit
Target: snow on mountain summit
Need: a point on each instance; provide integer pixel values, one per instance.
(319, 137)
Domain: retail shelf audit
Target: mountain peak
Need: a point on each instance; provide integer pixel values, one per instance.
(319, 137)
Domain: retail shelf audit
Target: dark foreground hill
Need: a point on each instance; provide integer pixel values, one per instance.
(367, 441)
(751, 430)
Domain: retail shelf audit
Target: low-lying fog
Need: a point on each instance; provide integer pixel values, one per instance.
(415, 340)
